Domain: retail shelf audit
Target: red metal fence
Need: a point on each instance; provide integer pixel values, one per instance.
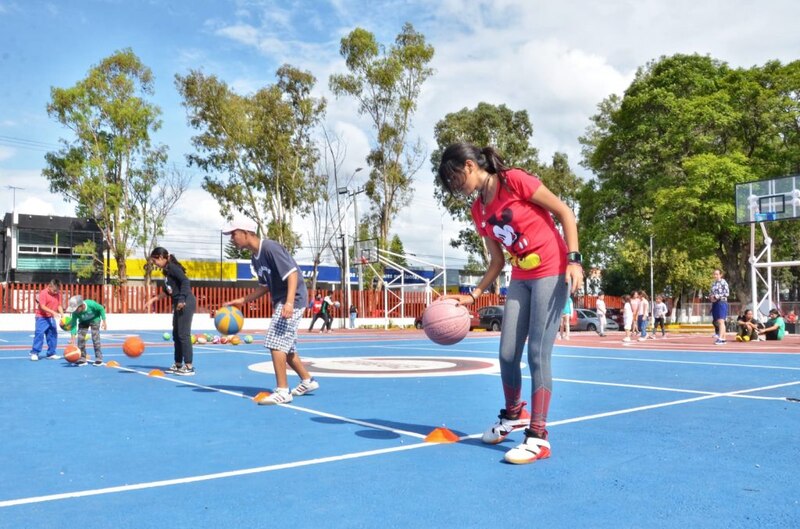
(21, 298)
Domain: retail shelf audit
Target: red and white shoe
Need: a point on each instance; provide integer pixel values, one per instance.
(530, 450)
(505, 425)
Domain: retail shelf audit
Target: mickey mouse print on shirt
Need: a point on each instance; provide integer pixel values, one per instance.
(504, 231)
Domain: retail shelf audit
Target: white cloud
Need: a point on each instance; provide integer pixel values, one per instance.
(6, 153)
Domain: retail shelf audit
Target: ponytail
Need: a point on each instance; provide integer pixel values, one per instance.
(451, 168)
(159, 251)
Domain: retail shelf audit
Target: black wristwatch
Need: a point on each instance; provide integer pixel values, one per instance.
(575, 257)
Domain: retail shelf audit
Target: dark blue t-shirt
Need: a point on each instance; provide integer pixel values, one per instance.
(272, 266)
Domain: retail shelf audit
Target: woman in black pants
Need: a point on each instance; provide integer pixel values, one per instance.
(177, 286)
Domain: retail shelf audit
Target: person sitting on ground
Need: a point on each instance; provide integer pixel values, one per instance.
(748, 328)
(775, 327)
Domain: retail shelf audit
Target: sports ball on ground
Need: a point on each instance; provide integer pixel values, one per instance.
(194, 339)
(235, 340)
(72, 354)
(167, 336)
(215, 339)
(446, 322)
(228, 320)
(224, 339)
(133, 346)
(64, 324)
(201, 339)
(248, 339)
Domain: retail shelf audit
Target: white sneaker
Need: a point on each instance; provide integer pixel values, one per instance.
(278, 397)
(34, 357)
(305, 387)
(626, 339)
(531, 449)
(53, 357)
(505, 426)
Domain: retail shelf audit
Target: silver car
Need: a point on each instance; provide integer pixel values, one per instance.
(588, 321)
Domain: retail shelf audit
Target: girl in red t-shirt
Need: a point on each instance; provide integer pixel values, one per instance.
(513, 212)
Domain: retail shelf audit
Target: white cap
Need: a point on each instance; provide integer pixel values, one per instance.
(240, 224)
(74, 303)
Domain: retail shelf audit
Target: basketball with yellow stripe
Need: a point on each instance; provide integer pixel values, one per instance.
(229, 320)
(65, 323)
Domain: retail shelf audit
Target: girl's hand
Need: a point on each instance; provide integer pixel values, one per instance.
(574, 276)
(463, 299)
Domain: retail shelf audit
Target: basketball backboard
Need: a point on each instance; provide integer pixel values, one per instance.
(367, 251)
(768, 200)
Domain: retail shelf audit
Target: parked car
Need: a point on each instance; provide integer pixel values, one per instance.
(588, 321)
(491, 317)
(616, 315)
(473, 322)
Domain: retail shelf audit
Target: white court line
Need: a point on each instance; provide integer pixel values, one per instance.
(621, 358)
(687, 362)
(207, 477)
(290, 406)
(281, 466)
(655, 406)
(653, 388)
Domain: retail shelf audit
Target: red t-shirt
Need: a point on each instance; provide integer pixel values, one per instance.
(521, 227)
(316, 307)
(51, 301)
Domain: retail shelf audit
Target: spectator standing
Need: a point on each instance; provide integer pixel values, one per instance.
(353, 315)
(644, 315)
(627, 317)
(601, 313)
(660, 316)
(719, 305)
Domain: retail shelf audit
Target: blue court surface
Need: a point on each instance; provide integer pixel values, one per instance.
(666, 433)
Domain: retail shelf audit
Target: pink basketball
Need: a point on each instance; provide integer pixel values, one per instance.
(446, 322)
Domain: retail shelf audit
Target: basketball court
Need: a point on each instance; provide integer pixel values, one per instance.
(663, 433)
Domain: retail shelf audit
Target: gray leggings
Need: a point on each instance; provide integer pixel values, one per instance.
(533, 313)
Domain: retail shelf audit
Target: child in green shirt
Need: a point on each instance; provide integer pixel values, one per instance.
(87, 314)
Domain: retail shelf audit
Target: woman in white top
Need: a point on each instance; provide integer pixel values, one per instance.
(627, 317)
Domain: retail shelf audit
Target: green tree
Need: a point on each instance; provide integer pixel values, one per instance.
(510, 132)
(396, 247)
(668, 154)
(89, 261)
(257, 150)
(234, 253)
(100, 167)
(386, 84)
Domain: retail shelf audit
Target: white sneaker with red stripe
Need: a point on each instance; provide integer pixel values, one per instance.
(531, 449)
(305, 387)
(505, 425)
(280, 396)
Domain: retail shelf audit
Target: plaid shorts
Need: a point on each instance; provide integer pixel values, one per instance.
(282, 333)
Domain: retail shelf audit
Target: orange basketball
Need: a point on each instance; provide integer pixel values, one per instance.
(446, 322)
(72, 354)
(133, 346)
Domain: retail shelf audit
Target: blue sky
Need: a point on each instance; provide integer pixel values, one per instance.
(557, 60)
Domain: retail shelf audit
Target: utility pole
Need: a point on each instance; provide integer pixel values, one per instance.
(14, 196)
